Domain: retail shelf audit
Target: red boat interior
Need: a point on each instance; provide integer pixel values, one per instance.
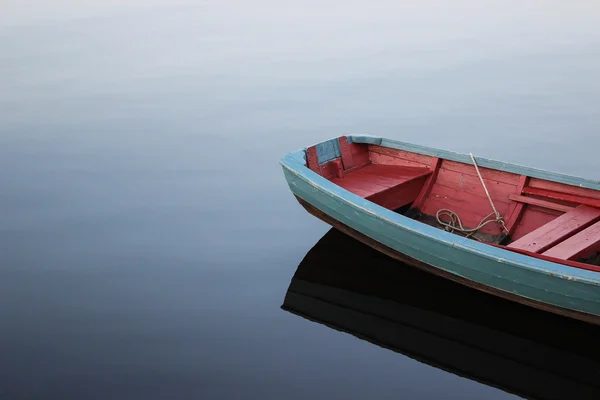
(544, 219)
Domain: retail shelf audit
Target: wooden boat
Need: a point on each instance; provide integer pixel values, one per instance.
(520, 233)
(357, 290)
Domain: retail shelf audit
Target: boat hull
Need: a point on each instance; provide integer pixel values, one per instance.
(590, 318)
(538, 283)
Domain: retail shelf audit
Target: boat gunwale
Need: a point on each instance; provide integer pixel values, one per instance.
(295, 162)
(481, 161)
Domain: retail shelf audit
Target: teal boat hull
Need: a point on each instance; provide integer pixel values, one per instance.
(542, 284)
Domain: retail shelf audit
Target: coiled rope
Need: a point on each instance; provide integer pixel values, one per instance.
(453, 223)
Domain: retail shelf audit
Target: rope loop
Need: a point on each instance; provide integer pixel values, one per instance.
(453, 222)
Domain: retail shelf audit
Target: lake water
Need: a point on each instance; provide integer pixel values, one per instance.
(147, 236)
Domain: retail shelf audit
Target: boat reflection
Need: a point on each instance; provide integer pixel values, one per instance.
(348, 286)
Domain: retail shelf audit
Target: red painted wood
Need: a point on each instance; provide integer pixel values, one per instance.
(373, 179)
(362, 190)
(459, 189)
(533, 218)
(401, 154)
(499, 191)
(332, 169)
(540, 203)
(557, 230)
(394, 171)
(545, 210)
(360, 154)
(515, 211)
(377, 158)
(470, 208)
(339, 169)
(399, 195)
(571, 198)
(327, 170)
(569, 263)
(580, 245)
(435, 168)
(357, 167)
(562, 188)
(469, 199)
(523, 181)
(313, 159)
(381, 180)
(346, 152)
(486, 173)
(359, 148)
(361, 159)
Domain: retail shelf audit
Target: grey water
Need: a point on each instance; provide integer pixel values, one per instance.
(147, 236)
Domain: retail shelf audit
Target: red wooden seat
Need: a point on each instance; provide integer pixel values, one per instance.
(580, 245)
(391, 186)
(557, 230)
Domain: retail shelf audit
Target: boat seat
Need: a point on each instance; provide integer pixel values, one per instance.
(582, 244)
(558, 229)
(391, 186)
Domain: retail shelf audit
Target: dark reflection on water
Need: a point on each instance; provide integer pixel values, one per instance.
(147, 236)
(350, 287)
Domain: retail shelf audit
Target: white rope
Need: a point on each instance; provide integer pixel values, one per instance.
(455, 224)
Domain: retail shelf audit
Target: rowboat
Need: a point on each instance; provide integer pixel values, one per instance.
(524, 234)
(348, 286)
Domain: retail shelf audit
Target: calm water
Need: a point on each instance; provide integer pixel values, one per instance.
(147, 237)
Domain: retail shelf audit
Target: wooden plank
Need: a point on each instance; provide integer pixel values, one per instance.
(358, 148)
(557, 230)
(363, 186)
(403, 155)
(328, 150)
(313, 159)
(544, 210)
(499, 191)
(540, 203)
(383, 159)
(360, 154)
(332, 169)
(469, 199)
(337, 168)
(357, 167)
(533, 217)
(374, 179)
(346, 152)
(486, 173)
(431, 179)
(563, 188)
(515, 211)
(399, 195)
(580, 245)
(470, 208)
(569, 263)
(361, 159)
(359, 188)
(482, 162)
(571, 198)
(393, 171)
(380, 179)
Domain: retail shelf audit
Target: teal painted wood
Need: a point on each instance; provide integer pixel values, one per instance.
(528, 277)
(328, 150)
(482, 162)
